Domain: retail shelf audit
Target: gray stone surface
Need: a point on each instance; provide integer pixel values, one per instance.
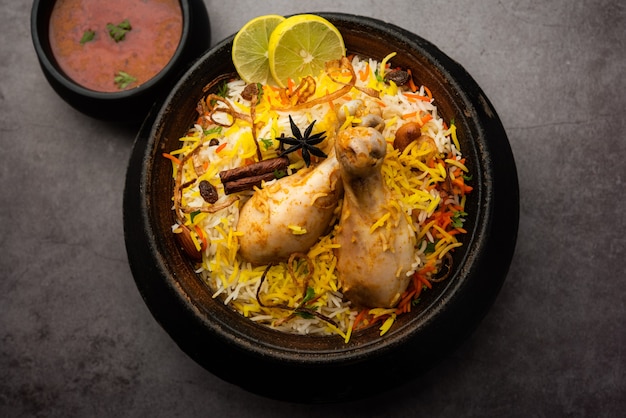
(77, 340)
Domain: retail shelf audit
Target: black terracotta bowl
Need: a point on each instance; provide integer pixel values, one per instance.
(313, 368)
(128, 105)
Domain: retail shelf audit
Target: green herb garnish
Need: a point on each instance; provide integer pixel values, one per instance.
(222, 90)
(214, 130)
(430, 248)
(304, 314)
(267, 142)
(458, 219)
(88, 36)
(310, 294)
(193, 214)
(118, 32)
(122, 79)
(279, 174)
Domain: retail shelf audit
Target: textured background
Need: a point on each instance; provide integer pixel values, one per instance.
(77, 340)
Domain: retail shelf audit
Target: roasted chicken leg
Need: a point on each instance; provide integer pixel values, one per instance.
(372, 259)
(290, 215)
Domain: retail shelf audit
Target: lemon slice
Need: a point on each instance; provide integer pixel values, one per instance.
(301, 45)
(250, 49)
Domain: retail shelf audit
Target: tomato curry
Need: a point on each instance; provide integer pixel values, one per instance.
(114, 45)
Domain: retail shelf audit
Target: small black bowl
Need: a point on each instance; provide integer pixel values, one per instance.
(128, 105)
(312, 368)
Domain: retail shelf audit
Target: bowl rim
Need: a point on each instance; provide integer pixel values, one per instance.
(497, 226)
(39, 24)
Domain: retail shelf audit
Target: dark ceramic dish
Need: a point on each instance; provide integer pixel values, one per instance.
(325, 369)
(129, 105)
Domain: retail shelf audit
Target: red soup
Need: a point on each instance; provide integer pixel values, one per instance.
(114, 45)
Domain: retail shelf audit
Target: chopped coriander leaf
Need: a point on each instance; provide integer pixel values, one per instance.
(88, 36)
(457, 219)
(214, 130)
(467, 177)
(122, 80)
(118, 32)
(378, 76)
(430, 248)
(304, 314)
(259, 88)
(267, 142)
(310, 294)
(193, 214)
(222, 91)
(279, 174)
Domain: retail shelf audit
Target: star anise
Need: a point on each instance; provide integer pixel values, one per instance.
(304, 141)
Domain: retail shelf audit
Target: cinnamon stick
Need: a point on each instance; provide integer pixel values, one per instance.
(262, 167)
(247, 183)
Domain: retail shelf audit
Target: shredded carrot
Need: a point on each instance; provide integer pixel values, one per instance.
(428, 93)
(424, 281)
(429, 267)
(409, 115)
(201, 235)
(364, 73)
(418, 292)
(412, 85)
(427, 117)
(359, 318)
(414, 97)
(171, 157)
(460, 183)
(405, 303)
(220, 147)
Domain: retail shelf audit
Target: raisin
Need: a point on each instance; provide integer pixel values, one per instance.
(250, 91)
(400, 77)
(208, 192)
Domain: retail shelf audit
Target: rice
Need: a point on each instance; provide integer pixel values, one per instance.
(424, 191)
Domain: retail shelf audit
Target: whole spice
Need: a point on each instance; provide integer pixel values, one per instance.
(249, 176)
(304, 141)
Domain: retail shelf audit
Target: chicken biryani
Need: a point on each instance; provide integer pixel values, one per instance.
(323, 207)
